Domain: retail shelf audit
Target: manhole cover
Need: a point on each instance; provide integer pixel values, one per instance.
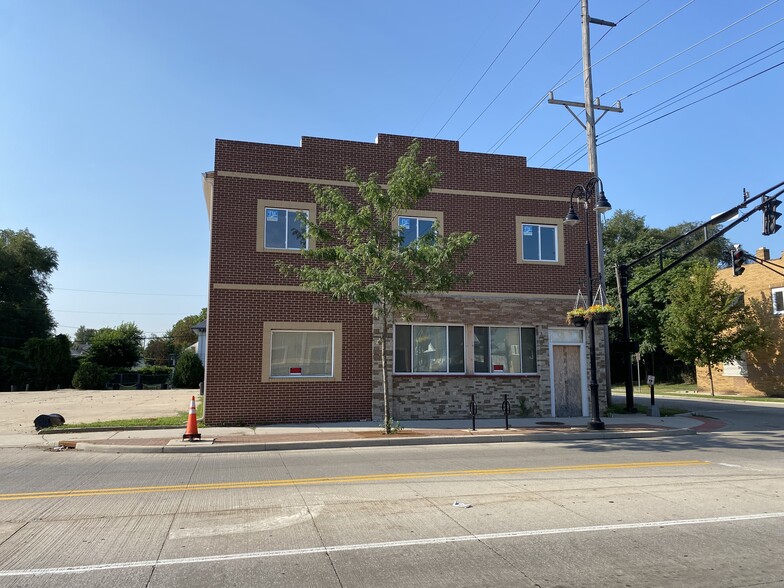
(551, 423)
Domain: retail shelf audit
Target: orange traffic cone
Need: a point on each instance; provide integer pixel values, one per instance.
(192, 430)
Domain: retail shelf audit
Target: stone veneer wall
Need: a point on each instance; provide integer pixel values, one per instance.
(448, 396)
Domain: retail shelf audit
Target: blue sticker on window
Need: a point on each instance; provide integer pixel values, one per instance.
(272, 215)
(405, 223)
(528, 231)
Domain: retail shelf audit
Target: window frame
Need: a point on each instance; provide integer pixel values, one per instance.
(555, 223)
(446, 327)
(433, 215)
(309, 327)
(261, 222)
(491, 371)
(776, 309)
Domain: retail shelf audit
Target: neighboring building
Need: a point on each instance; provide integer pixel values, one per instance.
(199, 348)
(761, 372)
(277, 353)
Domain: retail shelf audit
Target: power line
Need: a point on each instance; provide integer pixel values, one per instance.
(513, 129)
(696, 101)
(696, 87)
(488, 68)
(665, 115)
(519, 70)
(698, 43)
(123, 313)
(629, 42)
(128, 293)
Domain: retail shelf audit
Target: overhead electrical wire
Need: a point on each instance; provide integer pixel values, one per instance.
(519, 70)
(710, 81)
(513, 129)
(697, 44)
(128, 293)
(696, 101)
(488, 68)
(627, 43)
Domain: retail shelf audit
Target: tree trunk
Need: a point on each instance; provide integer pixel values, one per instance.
(710, 377)
(385, 370)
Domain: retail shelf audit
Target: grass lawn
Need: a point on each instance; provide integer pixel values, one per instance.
(178, 420)
(690, 391)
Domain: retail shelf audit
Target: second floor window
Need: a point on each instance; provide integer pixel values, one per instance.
(413, 228)
(539, 242)
(283, 230)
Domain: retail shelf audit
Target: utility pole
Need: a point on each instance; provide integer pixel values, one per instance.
(590, 132)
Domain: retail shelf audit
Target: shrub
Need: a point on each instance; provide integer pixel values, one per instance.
(155, 370)
(189, 371)
(91, 376)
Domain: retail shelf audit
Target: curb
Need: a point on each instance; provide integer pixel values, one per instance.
(362, 443)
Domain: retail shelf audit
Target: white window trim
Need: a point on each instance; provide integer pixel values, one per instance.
(448, 349)
(261, 217)
(337, 344)
(556, 223)
(773, 292)
(491, 373)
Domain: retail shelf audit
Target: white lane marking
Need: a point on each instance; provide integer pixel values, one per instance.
(382, 545)
(732, 465)
(277, 522)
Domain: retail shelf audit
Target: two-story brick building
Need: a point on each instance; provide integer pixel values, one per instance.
(277, 353)
(762, 371)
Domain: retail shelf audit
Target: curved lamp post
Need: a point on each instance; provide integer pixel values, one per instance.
(585, 194)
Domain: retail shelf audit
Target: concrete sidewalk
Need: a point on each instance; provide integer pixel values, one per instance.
(365, 434)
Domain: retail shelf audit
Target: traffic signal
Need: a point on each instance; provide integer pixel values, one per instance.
(738, 256)
(770, 216)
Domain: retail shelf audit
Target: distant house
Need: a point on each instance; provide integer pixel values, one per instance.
(200, 347)
(278, 353)
(761, 372)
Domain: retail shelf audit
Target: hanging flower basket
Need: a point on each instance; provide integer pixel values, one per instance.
(577, 317)
(600, 314)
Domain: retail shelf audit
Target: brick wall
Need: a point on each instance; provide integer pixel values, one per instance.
(478, 192)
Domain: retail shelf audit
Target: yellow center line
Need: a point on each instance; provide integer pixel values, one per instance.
(344, 479)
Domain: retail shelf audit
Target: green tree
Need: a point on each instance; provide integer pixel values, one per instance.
(50, 361)
(188, 372)
(627, 238)
(91, 376)
(25, 268)
(360, 256)
(707, 322)
(120, 347)
(181, 334)
(84, 335)
(158, 351)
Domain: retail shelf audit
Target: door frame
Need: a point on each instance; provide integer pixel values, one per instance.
(560, 336)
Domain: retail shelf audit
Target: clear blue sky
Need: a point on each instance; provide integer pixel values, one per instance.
(110, 110)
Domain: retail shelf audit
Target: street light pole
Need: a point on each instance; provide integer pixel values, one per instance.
(584, 194)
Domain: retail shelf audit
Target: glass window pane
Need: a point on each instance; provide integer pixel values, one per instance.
(425, 226)
(505, 349)
(531, 242)
(528, 340)
(297, 354)
(402, 348)
(296, 229)
(456, 349)
(408, 230)
(430, 350)
(548, 249)
(274, 228)
(481, 350)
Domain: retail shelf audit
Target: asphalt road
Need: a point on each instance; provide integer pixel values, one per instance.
(739, 415)
(704, 510)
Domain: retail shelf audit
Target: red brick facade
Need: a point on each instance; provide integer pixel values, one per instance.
(481, 193)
